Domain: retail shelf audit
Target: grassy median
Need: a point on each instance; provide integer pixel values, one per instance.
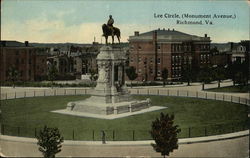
(196, 117)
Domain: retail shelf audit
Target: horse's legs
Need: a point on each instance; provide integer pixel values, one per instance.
(118, 38)
(112, 39)
(106, 38)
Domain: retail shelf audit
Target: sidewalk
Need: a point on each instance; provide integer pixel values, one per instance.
(228, 145)
(146, 142)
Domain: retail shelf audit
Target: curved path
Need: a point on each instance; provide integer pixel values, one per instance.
(227, 145)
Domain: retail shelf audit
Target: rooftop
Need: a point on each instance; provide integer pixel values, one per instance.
(13, 44)
(167, 35)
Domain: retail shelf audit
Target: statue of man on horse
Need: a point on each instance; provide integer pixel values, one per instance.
(109, 30)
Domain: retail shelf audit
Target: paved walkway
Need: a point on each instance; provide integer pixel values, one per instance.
(227, 145)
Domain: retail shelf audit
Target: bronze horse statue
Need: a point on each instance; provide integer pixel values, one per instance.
(108, 32)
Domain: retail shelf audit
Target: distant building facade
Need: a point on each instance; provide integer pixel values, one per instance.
(30, 62)
(153, 51)
(227, 53)
(75, 61)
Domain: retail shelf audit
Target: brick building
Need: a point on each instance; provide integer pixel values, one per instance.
(30, 62)
(153, 51)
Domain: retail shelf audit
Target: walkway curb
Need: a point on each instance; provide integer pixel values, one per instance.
(141, 143)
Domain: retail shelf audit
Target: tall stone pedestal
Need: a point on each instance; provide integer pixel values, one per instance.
(110, 95)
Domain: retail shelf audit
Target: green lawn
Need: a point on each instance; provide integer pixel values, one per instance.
(196, 117)
(235, 89)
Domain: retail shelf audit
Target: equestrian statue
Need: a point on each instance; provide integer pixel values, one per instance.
(109, 30)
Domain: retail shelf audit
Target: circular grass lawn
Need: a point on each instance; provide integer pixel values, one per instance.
(196, 117)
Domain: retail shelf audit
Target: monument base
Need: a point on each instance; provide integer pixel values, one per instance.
(108, 117)
(102, 108)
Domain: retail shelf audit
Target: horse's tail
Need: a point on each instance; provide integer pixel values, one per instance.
(104, 28)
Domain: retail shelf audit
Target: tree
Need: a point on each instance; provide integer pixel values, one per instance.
(164, 76)
(49, 140)
(53, 72)
(205, 76)
(131, 73)
(238, 72)
(219, 74)
(240, 79)
(13, 75)
(164, 132)
(187, 74)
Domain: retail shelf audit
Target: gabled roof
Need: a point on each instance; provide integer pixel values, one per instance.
(167, 35)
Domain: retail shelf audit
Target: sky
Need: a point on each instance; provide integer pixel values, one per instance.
(80, 21)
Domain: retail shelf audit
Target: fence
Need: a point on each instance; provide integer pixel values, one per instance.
(137, 91)
(126, 135)
(129, 135)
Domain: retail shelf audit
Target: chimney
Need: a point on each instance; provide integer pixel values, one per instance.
(173, 29)
(205, 35)
(136, 33)
(26, 43)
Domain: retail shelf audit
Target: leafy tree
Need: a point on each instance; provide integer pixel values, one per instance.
(187, 74)
(131, 73)
(205, 76)
(164, 76)
(49, 141)
(53, 72)
(13, 75)
(164, 132)
(219, 74)
(240, 79)
(238, 72)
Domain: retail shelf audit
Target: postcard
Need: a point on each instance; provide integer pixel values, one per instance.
(124, 78)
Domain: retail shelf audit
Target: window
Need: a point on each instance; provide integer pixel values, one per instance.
(158, 60)
(139, 59)
(158, 47)
(17, 61)
(179, 48)
(151, 71)
(139, 47)
(151, 60)
(131, 59)
(139, 71)
(158, 72)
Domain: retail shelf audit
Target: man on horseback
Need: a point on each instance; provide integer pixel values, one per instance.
(109, 30)
(110, 24)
